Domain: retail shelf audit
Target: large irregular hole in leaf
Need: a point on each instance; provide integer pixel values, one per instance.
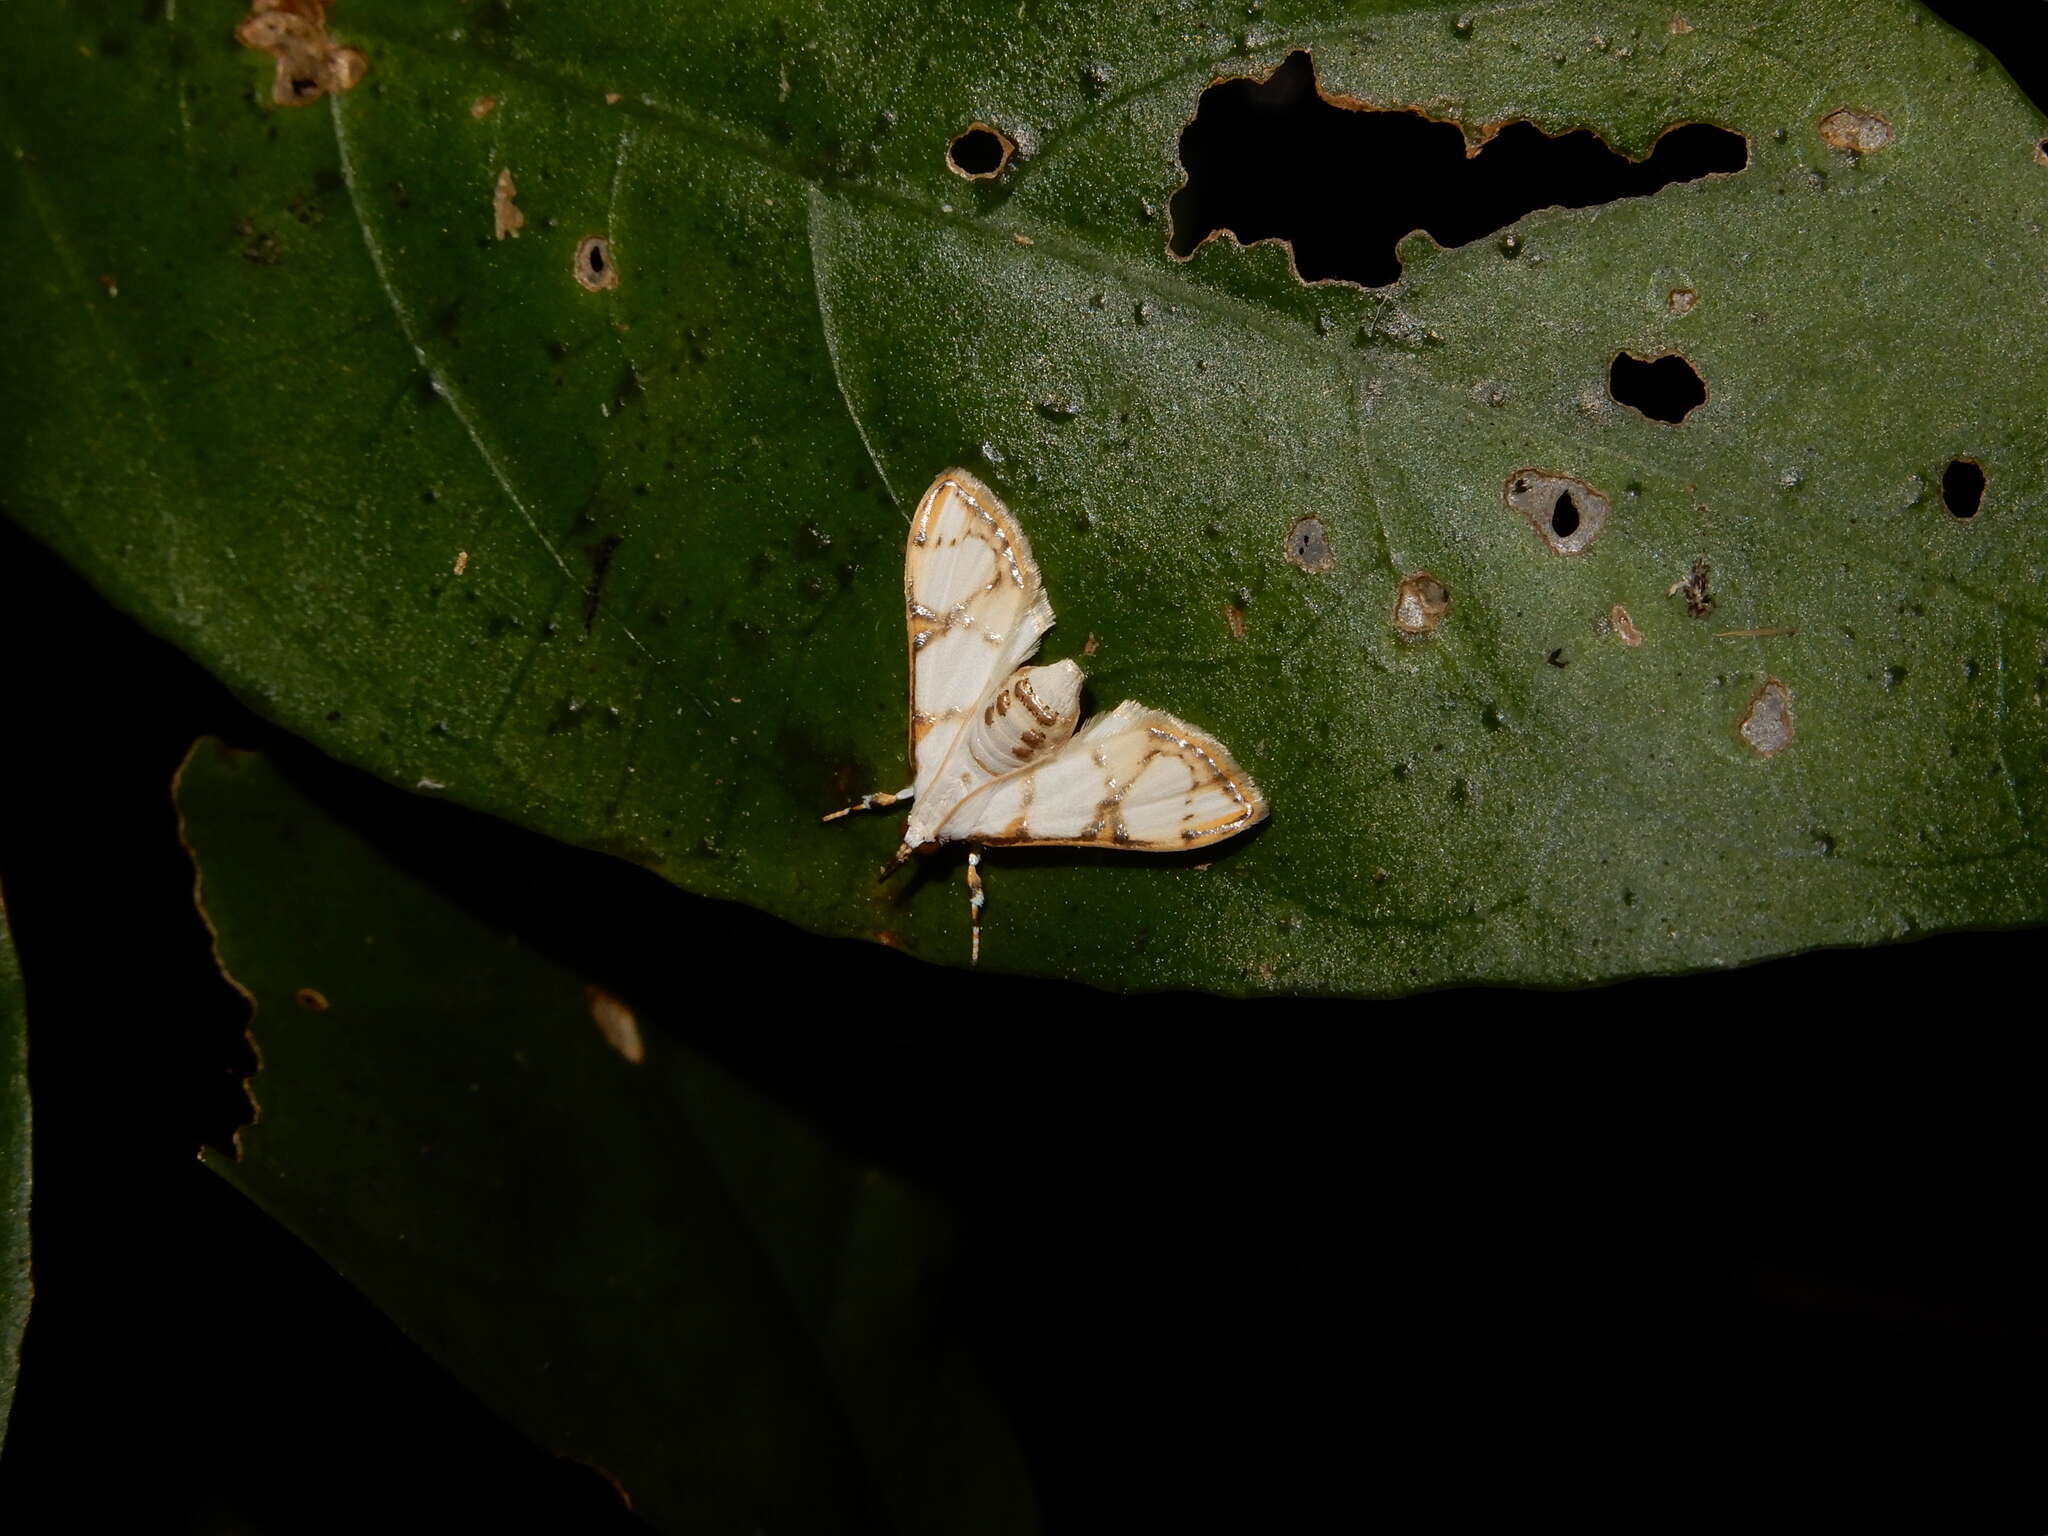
(1342, 183)
(1664, 388)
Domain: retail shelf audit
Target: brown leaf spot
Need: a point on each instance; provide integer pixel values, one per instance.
(506, 219)
(1681, 300)
(1857, 132)
(617, 1023)
(483, 106)
(310, 1000)
(1308, 546)
(310, 64)
(593, 268)
(461, 561)
(1680, 26)
(1234, 617)
(1624, 626)
(1420, 603)
(1766, 726)
(1568, 513)
(1088, 648)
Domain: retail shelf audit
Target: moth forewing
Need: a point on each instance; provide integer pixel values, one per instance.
(1133, 778)
(975, 608)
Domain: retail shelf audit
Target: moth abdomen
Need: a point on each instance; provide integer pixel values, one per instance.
(1032, 714)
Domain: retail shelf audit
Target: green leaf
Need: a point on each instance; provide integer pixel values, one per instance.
(623, 565)
(642, 1263)
(15, 1282)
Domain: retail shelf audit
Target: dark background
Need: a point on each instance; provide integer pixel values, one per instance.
(1756, 1246)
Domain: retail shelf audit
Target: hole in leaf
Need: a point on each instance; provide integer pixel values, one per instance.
(1664, 388)
(980, 152)
(1962, 487)
(1564, 509)
(594, 269)
(1343, 183)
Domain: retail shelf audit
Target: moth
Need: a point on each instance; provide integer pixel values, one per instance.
(998, 753)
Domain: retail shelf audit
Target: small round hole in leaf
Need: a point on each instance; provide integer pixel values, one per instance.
(980, 152)
(1568, 512)
(1564, 516)
(594, 269)
(1962, 487)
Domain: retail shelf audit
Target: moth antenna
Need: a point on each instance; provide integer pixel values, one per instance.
(976, 899)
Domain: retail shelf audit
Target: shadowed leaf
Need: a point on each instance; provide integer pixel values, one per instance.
(637, 1259)
(15, 1287)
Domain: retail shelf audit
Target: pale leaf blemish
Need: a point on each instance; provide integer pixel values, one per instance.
(1564, 510)
(617, 1023)
(1624, 627)
(310, 64)
(1855, 131)
(1767, 725)
(1308, 546)
(1680, 26)
(1420, 603)
(461, 561)
(506, 219)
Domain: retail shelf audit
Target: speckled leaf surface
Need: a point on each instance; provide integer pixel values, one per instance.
(15, 1286)
(644, 1264)
(623, 564)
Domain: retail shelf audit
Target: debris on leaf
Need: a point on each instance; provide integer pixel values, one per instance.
(506, 219)
(1693, 587)
(309, 63)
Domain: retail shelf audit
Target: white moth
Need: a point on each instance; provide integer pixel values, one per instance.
(993, 746)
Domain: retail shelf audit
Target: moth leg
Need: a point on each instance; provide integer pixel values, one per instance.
(875, 802)
(976, 899)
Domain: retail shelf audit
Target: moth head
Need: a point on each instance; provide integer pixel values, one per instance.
(1054, 694)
